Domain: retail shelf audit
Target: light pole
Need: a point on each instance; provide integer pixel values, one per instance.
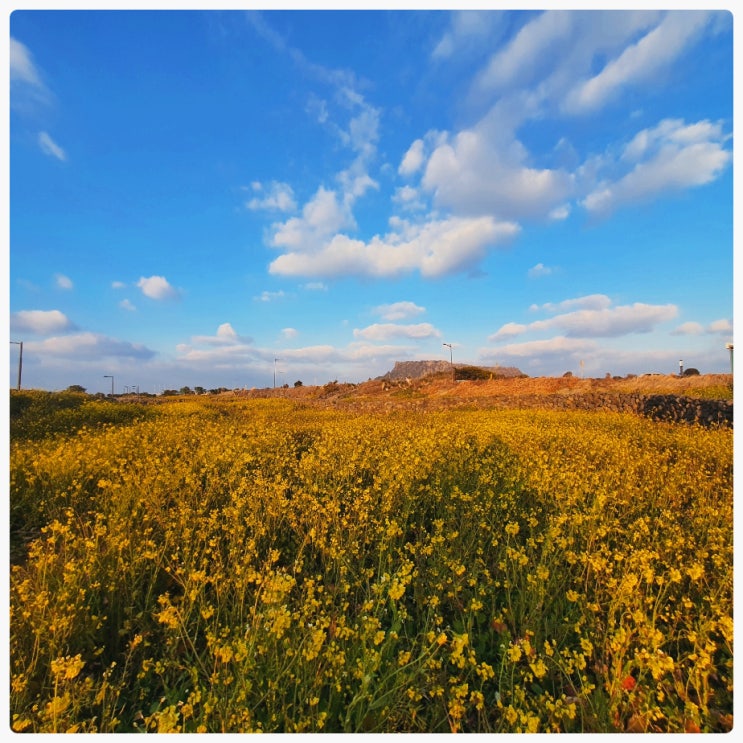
(681, 367)
(451, 360)
(274, 372)
(729, 347)
(110, 376)
(20, 360)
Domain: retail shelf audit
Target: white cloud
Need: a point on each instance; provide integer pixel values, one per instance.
(509, 330)
(675, 156)
(539, 270)
(315, 286)
(588, 302)
(720, 327)
(267, 296)
(387, 331)
(557, 346)
(398, 310)
(322, 217)
(437, 248)
(289, 333)
(468, 28)
(560, 212)
(27, 88)
(50, 147)
(157, 287)
(22, 67)
(477, 173)
(597, 323)
(125, 304)
(39, 322)
(62, 281)
(689, 328)
(655, 51)
(85, 346)
(226, 335)
(117, 285)
(413, 159)
(275, 196)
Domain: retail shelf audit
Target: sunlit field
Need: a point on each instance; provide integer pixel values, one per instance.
(207, 565)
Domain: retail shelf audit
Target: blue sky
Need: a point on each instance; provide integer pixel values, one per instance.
(204, 198)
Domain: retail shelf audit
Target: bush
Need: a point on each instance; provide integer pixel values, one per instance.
(691, 372)
(35, 414)
(472, 373)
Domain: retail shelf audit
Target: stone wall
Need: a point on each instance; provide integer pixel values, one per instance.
(658, 407)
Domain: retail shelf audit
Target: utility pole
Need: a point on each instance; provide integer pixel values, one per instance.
(110, 376)
(451, 360)
(274, 372)
(729, 347)
(20, 361)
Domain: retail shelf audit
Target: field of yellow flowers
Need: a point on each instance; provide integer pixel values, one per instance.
(270, 565)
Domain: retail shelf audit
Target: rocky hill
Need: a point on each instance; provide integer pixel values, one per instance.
(418, 369)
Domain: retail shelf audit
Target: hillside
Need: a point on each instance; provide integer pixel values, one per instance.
(418, 369)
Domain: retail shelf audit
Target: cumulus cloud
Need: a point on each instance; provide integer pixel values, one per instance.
(605, 322)
(436, 248)
(274, 196)
(62, 281)
(50, 147)
(322, 216)
(157, 287)
(226, 335)
(118, 285)
(398, 310)
(509, 330)
(125, 304)
(387, 331)
(413, 159)
(39, 322)
(669, 157)
(475, 173)
(289, 333)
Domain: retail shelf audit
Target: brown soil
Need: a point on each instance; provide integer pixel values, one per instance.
(441, 387)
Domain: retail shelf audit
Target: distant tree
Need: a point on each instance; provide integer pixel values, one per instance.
(169, 393)
(298, 383)
(185, 391)
(568, 374)
(75, 388)
(691, 372)
(199, 390)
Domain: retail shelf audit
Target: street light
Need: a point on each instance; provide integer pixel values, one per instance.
(110, 376)
(729, 347)
(451, 359)
(20, 361)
